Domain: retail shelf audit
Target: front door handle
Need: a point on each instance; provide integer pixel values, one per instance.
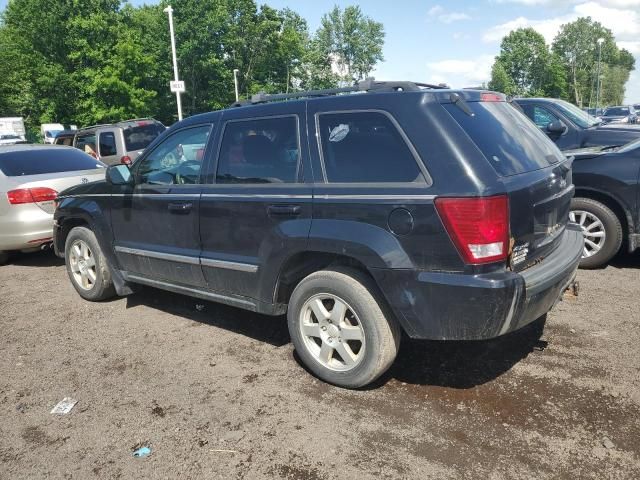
(180, 207)
(284, 210)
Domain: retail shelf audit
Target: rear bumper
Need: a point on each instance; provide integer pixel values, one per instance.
(27, 227)
(453, 306)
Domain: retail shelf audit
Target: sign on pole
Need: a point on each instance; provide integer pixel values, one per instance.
(177, 86)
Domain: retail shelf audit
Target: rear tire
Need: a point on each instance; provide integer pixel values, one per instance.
(340, 327)
(87, 267)
(601, 228)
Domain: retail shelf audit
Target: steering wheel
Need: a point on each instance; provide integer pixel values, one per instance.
(186, 170)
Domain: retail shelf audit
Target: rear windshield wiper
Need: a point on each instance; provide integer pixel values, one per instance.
(460, 102)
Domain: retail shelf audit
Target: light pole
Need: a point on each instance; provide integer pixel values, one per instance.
(178, 90)
(235, 82)
(600, 42)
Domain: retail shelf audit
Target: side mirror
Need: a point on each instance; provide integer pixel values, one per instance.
(557, 127)
(119, 175)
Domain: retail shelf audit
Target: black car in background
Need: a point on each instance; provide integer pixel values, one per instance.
(400, 207)
(606, 200)
(571, 128)
(620, 114)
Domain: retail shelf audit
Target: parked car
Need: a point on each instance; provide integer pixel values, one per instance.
(120, 142)
(65, 137)
(30, 178)
(13, 125)
(606, 203)
(620, 114)
(438, 212)
(571, 128)
(10, 138)
(50, 130)
(594, 112)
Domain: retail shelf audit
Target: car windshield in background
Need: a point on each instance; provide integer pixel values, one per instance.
(140, 136)
(509, 140)
(617, 111)
(630, 146)
(17, 163)
(577, 116)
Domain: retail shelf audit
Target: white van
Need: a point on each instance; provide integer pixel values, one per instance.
(50, 130)
(13, 126)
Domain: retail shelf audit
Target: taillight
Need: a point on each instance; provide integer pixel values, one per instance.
(491, 97)
(126, 160)
(31, 195)
(479, 227)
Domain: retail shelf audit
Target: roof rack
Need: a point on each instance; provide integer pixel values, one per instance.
(367, 85)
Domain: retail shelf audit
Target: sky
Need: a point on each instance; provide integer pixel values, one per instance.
(456, 41)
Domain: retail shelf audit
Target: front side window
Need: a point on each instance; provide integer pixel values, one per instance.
(177, 160)
(365, 147)
(108, 144)
(259, 151)
(543, 117)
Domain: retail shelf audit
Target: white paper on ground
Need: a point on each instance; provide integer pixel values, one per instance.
(64, 406)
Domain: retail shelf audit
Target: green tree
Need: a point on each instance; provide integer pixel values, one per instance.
(577, 46)
(351, 40)
(500, 79)
(524, 57)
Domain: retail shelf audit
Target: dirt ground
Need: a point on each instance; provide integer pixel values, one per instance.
(217, 392)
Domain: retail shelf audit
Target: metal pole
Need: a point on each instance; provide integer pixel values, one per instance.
(235, 81)
(169, 10)
(600, 40)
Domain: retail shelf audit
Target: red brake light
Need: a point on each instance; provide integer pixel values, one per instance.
(31, 195)
(479, 227)
(491, 97)
(126, 160)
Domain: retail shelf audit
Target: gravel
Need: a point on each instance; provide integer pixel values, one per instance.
(217, 392)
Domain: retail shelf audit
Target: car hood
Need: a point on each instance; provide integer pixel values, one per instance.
(94, 188)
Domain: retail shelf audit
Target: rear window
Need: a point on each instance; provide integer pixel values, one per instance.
(509, 140)
(617, 111)
(140, 136)
(35, 162)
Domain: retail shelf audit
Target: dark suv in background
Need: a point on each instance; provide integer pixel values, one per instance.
(403, 207)
(120, 142)
(571, 128)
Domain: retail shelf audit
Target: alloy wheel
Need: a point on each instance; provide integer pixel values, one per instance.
(83, 265)
(332, 332)
(593, 230)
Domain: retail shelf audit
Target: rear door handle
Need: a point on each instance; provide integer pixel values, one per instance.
(180, 207)
(284, 210)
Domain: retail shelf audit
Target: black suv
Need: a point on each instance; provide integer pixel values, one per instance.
(571, 128)
(400, 207)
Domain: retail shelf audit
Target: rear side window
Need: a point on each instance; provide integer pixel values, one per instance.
(87, 143)
(260, 151)
(509, 141)
(140, 136)
(365, 147)
(18, 163)
(108, 144)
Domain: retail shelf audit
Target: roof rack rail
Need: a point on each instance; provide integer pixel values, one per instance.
(95, 126)
(368, 85)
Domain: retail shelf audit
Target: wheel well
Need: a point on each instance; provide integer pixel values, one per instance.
(303, 264)
(612, 203)
(67, 226)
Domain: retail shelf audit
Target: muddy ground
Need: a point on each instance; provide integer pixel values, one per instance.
(217, 392)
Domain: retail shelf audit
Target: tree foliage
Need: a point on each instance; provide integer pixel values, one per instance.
(568, 69)
(95, 61)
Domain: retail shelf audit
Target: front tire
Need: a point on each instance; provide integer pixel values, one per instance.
(601, 228)
(87, 267)
(340, 327)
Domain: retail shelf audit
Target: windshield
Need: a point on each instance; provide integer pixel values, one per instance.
(506, 137)
(139, 137)
(621, 111)
(39, 161)
(630, 146)
(577, 116)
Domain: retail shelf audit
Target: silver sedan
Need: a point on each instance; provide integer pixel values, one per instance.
(30, 178)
